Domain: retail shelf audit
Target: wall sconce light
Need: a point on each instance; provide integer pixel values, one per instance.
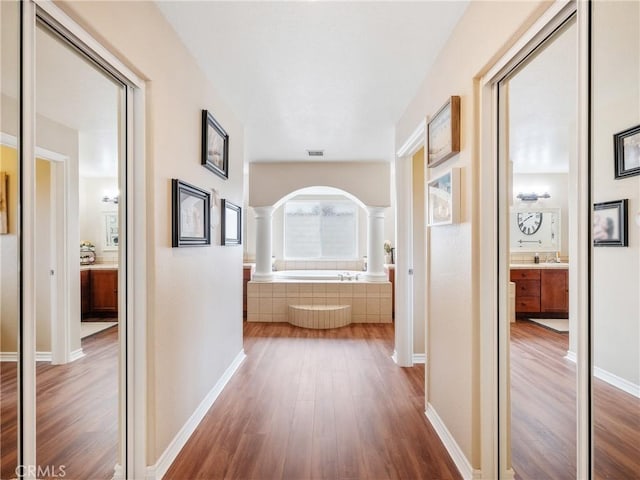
(532, 197)
(114, 199)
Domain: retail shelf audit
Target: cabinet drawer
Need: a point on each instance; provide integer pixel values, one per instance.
(528, 304)
(527, 288)
(525, 274)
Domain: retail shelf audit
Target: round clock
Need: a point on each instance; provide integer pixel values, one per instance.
(529, 222)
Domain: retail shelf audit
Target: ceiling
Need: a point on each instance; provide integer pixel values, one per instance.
(334, 76)
(543, 108)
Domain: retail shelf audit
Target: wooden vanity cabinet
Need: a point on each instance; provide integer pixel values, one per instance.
(85, 292)
(99, 292)
(541, 290)
(554, 290)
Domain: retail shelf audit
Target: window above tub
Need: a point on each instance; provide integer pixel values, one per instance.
(326, 229)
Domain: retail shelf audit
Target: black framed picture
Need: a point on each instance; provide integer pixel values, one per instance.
(626, 152)
(191, 220)
(610, 227)
(215, 146)
(231, 221)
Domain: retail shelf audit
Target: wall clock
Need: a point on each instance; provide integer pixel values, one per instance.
(529, 222)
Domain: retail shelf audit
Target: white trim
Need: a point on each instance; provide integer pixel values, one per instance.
(611, 378)
(76, 355)
(13, 357)
(457, 455)
(9, 140)
(88, 44)
(616, 381)
(160, 468)
(419, 358)
(8, 356)
(415, 141)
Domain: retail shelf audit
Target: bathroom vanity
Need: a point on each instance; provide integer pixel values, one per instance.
(99, 291)
(541, 289)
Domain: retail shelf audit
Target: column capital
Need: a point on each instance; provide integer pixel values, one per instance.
(263, 212)
(376, 211)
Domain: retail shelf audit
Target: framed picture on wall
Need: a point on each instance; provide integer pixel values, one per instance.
(110, 231)
(626, 152)
(231, 221)
(191, 220)
(443, 133)
(443, 199)
(215, 146)
(610, 227)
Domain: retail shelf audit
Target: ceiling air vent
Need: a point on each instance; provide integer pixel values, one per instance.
(315, 153)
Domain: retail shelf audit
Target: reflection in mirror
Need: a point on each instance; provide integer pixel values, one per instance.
(541, 138)
(77, 209)
(9, 238)
(615, 281)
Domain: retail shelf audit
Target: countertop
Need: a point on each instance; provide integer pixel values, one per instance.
(542, 265)
(100, 266)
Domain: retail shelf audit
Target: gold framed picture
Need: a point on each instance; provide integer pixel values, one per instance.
(443, 133)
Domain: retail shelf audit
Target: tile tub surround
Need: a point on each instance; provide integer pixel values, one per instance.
(319, 316)
(269, 302)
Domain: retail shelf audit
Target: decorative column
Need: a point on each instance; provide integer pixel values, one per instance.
(263, 271)
(375, 250)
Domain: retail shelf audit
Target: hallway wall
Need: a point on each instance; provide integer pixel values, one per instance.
(194, 300)
(485, 32)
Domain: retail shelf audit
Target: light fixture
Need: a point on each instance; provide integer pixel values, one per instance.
(532, 197)
(114, 199)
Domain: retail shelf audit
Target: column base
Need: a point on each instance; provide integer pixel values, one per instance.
(262, 277)
(376, 277)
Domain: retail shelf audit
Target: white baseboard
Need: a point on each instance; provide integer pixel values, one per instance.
(157, 471)
(457, 455)
(571, 356)
(616, 381)
(40, 356)
(118, 472)
(611, 378)
(394, 357)
(419, 358)
(76, 355)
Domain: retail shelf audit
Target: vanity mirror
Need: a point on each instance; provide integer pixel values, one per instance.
(535, 230)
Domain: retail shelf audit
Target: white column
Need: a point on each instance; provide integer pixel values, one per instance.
(263, 271)
(375, 245)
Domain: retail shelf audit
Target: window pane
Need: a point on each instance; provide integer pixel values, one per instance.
(320, 229)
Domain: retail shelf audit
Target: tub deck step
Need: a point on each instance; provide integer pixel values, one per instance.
(319, 316)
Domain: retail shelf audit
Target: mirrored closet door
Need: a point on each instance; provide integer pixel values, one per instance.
(615, 252)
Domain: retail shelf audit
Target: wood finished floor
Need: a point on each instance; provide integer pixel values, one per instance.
(77, 412)
(543, 413)
(325, 404)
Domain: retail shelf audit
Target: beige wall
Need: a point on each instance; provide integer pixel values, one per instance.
(616, 107)
(92, 210)
(43, 255)
(194, 324)
(419, 259)
(369, 181)
(9, 256)
(485, 32)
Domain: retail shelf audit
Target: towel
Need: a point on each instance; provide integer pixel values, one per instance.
(3, 204)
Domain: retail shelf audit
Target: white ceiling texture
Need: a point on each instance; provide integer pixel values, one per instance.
(333, 76)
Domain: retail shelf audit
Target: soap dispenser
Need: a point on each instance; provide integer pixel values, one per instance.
(536, 258)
